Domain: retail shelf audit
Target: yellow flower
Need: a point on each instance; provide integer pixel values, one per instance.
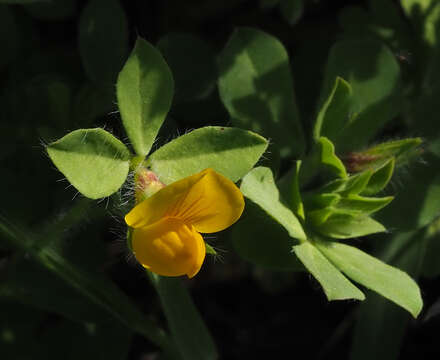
(166, 226)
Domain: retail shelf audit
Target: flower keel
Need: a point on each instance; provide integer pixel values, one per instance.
(169, 247)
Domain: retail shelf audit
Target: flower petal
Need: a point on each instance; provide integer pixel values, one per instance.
(212, 204)
(207, 200)
(169, 247)
(159, 204)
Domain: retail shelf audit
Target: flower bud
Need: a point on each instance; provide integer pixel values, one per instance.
(146, 184)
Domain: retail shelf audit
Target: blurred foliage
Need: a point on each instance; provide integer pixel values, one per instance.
(367, 73)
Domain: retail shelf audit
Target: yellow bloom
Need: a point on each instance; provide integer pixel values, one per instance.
(166, 226)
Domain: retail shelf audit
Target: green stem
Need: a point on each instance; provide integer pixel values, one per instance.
(186, 325)
(95, 287)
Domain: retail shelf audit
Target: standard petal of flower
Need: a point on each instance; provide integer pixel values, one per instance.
(169, 247)
(161, 203)
(207, 200)
(212, 204)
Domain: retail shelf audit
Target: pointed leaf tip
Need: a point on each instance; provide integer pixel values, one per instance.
(144, 91)
(388, 281)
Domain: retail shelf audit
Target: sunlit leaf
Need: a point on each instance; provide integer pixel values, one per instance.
(329, 158)
(379, 179)
(335, 285)
(348, 226)
(289, 187)
(352, 185)
(259, 186)
(93, 160)
(144, 91)
(231, 152)
(363, 205)
(376, 275)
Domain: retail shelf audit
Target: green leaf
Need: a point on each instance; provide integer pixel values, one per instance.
(261, 240)
(103, 40)
(334, 114)
(297, 204)
(186, 326)
(256, 88)
(259, 186)
(229, 151)
(400, 149)
(144, 90)
(318, 201)
(380, 179)
(318, 217)
(386, 280)
(374, 75)
(334, 209)
(363, 205)
(377, 156)
(93, 160)
(347, 226)
(328, 157)
(352, 185)
(192, 62)
(289, 188)
(292, 10)
(335, 285)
